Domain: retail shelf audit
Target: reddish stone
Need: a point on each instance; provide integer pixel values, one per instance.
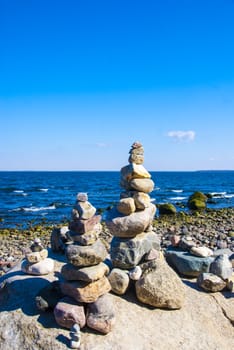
(83, 226)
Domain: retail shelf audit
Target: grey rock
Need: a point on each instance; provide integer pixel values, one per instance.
(221, 266)
(86, 274)
(80, 256)
(100, 315)
(210, 282)
(127, 253)
(119, 281)
(187, 264)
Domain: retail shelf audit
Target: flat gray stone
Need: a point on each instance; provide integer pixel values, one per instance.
(187, 264)
(86, 274)
(90, 255)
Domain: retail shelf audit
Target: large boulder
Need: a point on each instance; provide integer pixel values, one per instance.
(160, 286)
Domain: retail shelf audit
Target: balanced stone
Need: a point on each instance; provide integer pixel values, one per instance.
(130, 225)
(83, 210)
(119, 281)
(142, 200)
(201, 251)
(59, 239)
(100, 315)
(126, 206)
(43, 267)
(86, 292)
(134, 171)
(127, 253)
(75, 336)
(93, 254)
(67, 312)
(87, 238)
(83, 226)
(142, 185)
(136, 153)
(87, 274)
(160, 287)
(36, 256)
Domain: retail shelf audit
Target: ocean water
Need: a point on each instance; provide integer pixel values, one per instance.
(49, 196)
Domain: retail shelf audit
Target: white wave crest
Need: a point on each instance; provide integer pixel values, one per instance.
(218, 194)
(177, 198)
(18, 191)
(43, 189)
(33, 209)
(229, 196)
(177, 191)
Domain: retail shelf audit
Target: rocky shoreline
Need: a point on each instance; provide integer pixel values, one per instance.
(210, 228)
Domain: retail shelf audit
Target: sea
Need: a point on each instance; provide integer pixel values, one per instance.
(33, 197)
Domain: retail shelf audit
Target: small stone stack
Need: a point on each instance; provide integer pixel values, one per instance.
(130, 223)
(36, 260)
(85, 273)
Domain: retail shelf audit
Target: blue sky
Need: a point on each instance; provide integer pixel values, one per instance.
(81, 80)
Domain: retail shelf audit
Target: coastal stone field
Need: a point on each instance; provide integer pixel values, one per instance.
(210, 228)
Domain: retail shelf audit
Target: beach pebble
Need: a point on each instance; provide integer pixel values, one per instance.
(135, 273)
(119, 281)
(201, 251)
(67, 312)
(210, 282)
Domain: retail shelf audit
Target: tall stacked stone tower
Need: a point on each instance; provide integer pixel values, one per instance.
(130, 222)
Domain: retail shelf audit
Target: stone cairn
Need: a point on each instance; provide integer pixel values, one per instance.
(36, 260)
(85, 284)
(135, 247)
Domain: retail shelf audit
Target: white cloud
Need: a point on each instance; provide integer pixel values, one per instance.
(180, 135)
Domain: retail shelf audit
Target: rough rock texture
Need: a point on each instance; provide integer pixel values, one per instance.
(86, 274)
(205, 322)
(119, 281)
(86, 292)
(67, 312)
(127, 253)
(131, 225)
(211, 282)
(86, 255)
(160, 286)
(100, 315)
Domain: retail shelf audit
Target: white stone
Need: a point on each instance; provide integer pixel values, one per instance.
(135, 273)
(43, 267)
(201, 251)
